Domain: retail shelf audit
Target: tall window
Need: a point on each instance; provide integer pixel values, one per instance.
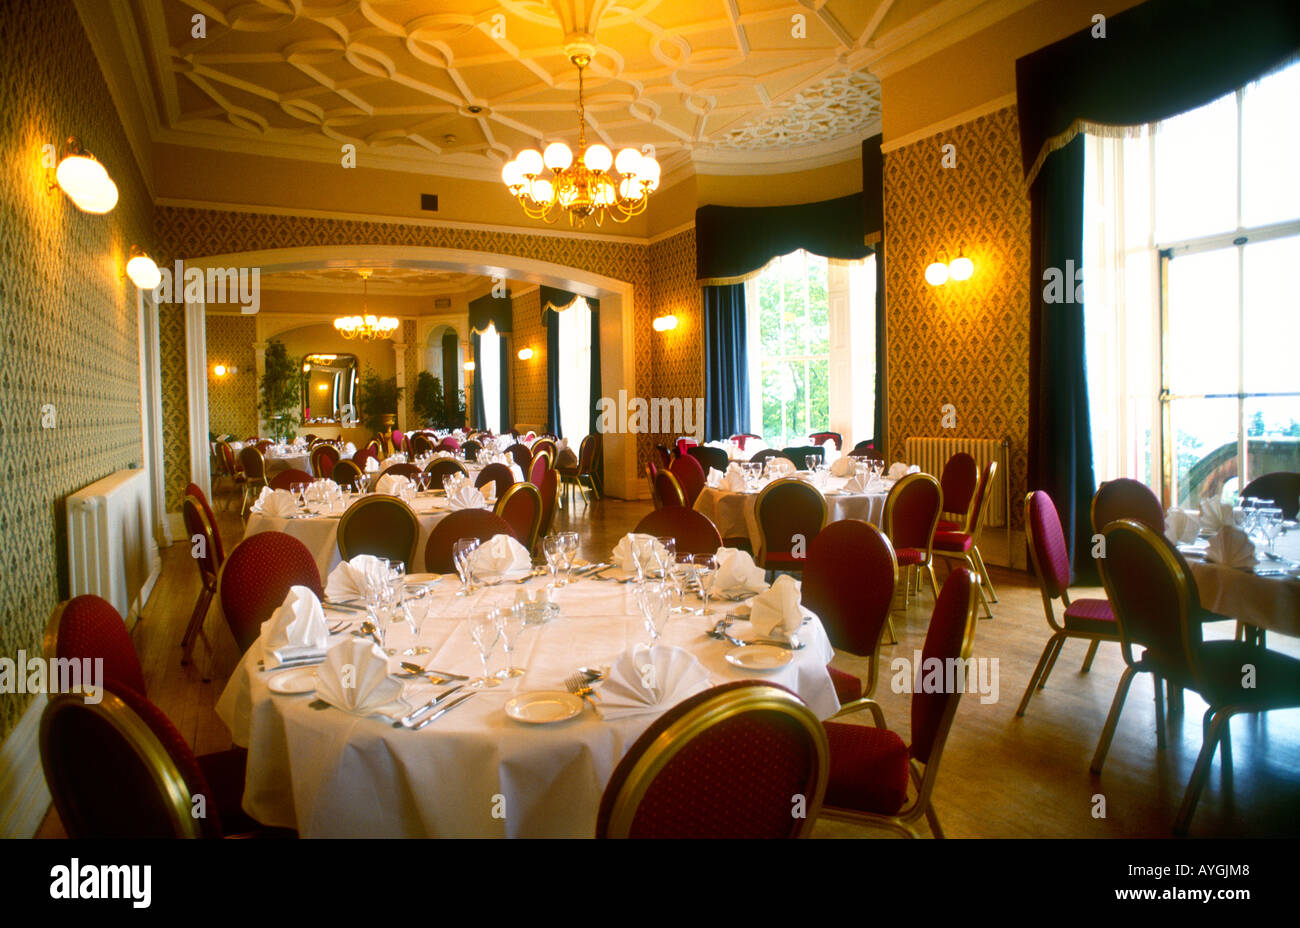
(488, 371)
(1191, 323)
(575, 371)
(811, 348)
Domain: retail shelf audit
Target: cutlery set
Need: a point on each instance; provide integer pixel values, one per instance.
(720, 633)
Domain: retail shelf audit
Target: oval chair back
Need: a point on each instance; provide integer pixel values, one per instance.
(1152, 594)
(683, 443)
(911, 514)
(497, 473)
(256, 578)
(253, 465)
(848, 581)
(421, 445)
(197, 525)
(799, 454)
(587, 452)
(347, 474)
(722, 764)
(448, 444)
(521, 508)
(980, 504)
(375, 448)
(1047, 546)
(694, 532)
(709, 457)
(410, 471)
(441, 468)
(323, 460)
(400, 441)
(361, 456)
(761, 457)
(463, 523)
(470, 449)
(287, 479)
(537, 468)
(548, 445)
(263, 444)
(668, 492)
(522, 456)
(194, 491)
(1282, 487)
(89, 626)
(866, 449)
(1126, 499)
(786, 511)
(120, 769)
(381, 525)
(820, 439)
(690, 475)
(550, 491)
(960, 477)
(950, 637)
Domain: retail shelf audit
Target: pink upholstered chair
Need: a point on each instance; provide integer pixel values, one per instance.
(323, 460)
(521, 507)
(668, 492)
(959, 480)
(963, 544)
(1126, 499)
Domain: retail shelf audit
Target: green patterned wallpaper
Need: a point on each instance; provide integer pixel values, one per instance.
(68, 319)
(232, 400)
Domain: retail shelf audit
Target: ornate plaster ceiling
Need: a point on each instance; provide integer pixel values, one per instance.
(460, 86)
(413, 281)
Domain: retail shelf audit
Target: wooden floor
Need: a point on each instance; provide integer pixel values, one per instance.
(1000, 777)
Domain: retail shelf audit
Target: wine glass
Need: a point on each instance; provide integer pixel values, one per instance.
(654, 599)
(665, 554)
(681, 574)
(706, 571)
(553, 549)
(511, 625)
(569, 541)
(1270, 524)
(810, 462)
(485, 629)
(462, 554)
(415, 612)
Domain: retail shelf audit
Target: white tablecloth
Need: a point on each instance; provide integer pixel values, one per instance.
(330, 774)
(278, 462)
(733, 513)
(1271, 602)
(320, 533)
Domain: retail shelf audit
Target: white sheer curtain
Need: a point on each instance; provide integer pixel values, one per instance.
(1122, 308)
(575, 371)
(488, 370)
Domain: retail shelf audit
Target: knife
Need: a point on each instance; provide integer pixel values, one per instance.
(444, 710)
(407, 721)
(296, 662)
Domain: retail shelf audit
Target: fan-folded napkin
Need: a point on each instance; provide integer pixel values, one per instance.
(650, 679)
(355, 678)
(645, 547)
(466, 497)
(348, 580)
(393, 484)
(737, 572)
(278, 504)
(296, 630)
(498, 555)
(899, 470)
(1181, 527)
(1216, 514)
(1231, 547)
(775, 612)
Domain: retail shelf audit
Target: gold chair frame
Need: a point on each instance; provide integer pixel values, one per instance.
(379, 500)
(522, 486)
(866, 700)
(887, 518)
(760, 557)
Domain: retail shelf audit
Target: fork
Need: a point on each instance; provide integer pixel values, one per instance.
(578, 685)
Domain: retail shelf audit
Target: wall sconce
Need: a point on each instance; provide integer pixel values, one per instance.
(940, 272)
(322, 387)
(664, 323)
(84, 179)
(525, 354)
(142, 270)
(469, 365)
(222, 370)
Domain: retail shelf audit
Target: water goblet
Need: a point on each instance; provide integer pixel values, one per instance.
(706, 571)
(462, 553)
(681, 574)
(654, 600)
(553, 549)
(415, 612)
(569, 540)
(485, 629)
(1270, 525)
(511, 624)
(665, 555)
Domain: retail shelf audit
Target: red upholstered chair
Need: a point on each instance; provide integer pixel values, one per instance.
(347, 474)
(287, 479)
(375, 448)
(799, 454)
(820, 438)
(442, 468)
(668, 492)
(194, 490)
(694, 531)
(1126, 499)
(690, 475)
(550, 492)
(470, 448)
(400, 441)
(381, 525)
(663, 457)
(1282, 487)
(963, 545)
(761, 457)
(421, 445)
(463, 523)
(790, 514)
(549, 446)
(741, 437)
(709, 457)
(497, 473)
(911, 513)
(229, 469)
(522, 456)
(1158, 608)
(584, 474)
(724, 763)
(683, 443)
(197, 526)
(1090, 619)
(254, 468)
(959, 480)
(848, 578)
(323, 460)
(448, 444)
(411, 471)
(256, 578)
(120, 769)
(264, 445)
(870, 767)
(537, 468)
(521, 507)
(866, 449)
(89, 627)
(360, 457)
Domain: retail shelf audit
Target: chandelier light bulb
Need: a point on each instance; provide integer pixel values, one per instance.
(543, 190)
(529, 161)
(557, 156)
(598, 158)
(649, 173)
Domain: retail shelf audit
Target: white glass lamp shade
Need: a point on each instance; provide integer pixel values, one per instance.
(603, 194)
(557, 156)
(936, 274)
(628, 161)
(961, 269)
(649, 172)
(86, 182)
(543, 191)
(512, 174)
(529, 161)
(143, 272)
(598, 158)
(629, 188)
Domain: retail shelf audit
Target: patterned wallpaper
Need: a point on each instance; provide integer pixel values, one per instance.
(232, 400)
(175, 402)
(671, 364)
(411, 365)
(528, 395)
(965, 343)
(69, 321)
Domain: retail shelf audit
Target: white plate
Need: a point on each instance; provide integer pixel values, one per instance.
(291, 682)
(544, 707)
(423, 578)
(759, 657)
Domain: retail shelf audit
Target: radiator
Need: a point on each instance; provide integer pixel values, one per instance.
(111, 548)
(930, 454)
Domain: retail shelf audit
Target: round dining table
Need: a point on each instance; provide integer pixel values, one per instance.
(476, 772)
(1265, 595)
(733, 512)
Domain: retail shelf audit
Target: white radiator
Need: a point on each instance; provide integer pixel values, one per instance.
(111, 548)
(930, 454)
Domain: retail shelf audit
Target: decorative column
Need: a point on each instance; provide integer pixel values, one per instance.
(260, 349)
(399, 354)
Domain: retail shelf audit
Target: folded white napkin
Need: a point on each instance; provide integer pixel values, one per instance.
(858, 484)
(349, 449)
(1231, 547)
(467, 497)
(348, 580)
(737, 572)
(643, 546)
(398, 458)
(780, 467)
(843, 467)
(714, 478)
(517, 472)
(278, 504)
(296, 630)
(900, 470)
(1215, 514)
(394, 484)
(355, 678)
(775, 613)
(489, 491)
(734, 479)
(442, 455)
(650, 679)
(830, 454)
(372, 466)
(1181, 527)
(498, 555)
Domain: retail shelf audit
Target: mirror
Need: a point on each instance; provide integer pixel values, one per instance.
(329, 383)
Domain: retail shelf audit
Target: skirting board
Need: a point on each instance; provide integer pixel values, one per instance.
(24, 798)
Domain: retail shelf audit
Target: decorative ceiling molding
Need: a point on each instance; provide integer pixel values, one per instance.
(402, 281)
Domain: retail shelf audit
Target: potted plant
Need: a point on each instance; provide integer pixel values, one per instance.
(280, 392)
(436, 408)
(377, 399)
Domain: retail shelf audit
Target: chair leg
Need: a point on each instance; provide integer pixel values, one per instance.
(984, 573)
(1038, 672)
(893, 635)
(1092, 652)
(1216, 728)
(1159, 686)
(1112, 720)
(934, 586)
(1174, 694)
(1051, 663)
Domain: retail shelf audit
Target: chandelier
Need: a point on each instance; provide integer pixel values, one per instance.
(366, 327)
(583, 186)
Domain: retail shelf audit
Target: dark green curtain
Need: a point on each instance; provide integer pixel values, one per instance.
(477, 418)
(726, 362)
(450, 371)
(491, 310)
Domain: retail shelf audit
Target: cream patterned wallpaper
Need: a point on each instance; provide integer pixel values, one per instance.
(232, 400)
(964, 343)
(69, 321)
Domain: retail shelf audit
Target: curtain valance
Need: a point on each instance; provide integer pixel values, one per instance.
(491, 310)
(553, 299)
